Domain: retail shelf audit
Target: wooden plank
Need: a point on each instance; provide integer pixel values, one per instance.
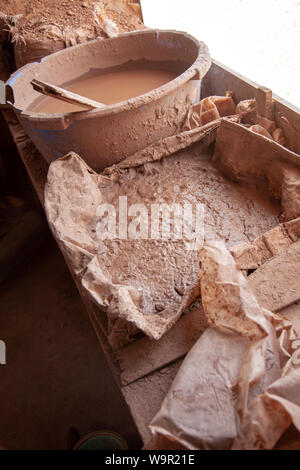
(106, 348)
(220, 78)
(145, 355)
(277, 282)
(145, 396)
(292, 313)
(56, 92)
(251, 255)
(287, 117)
(3, 104)
(264, 103)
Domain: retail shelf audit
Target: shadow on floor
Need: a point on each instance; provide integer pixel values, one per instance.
(56, 376)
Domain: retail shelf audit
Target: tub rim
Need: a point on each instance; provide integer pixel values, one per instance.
(196, 71)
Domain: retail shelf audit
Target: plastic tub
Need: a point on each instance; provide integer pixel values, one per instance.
(105, 136)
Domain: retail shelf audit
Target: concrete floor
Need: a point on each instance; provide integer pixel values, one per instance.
(56, 376)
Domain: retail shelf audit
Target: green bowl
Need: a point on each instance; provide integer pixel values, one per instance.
(101, 440)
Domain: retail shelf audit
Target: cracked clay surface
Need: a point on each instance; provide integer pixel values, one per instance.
(163, 271)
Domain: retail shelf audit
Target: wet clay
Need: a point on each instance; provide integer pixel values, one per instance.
(108, 88)
(164, 270)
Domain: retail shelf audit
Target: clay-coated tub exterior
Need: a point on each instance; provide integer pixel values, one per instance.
(105, 136)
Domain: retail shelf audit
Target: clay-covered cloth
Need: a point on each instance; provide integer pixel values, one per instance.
(210, 109)
(72, 196)
(239, 386)
(242, 155)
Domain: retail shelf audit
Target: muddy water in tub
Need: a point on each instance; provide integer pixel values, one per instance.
(108, 88)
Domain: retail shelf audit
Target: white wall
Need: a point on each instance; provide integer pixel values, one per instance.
(258, 38)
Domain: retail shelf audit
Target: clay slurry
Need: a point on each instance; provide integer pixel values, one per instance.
(108, 88)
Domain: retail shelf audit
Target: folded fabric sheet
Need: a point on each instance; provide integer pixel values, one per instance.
(239, 386)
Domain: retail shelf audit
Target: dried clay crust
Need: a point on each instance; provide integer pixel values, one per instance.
(148, 283)
(40, 27)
